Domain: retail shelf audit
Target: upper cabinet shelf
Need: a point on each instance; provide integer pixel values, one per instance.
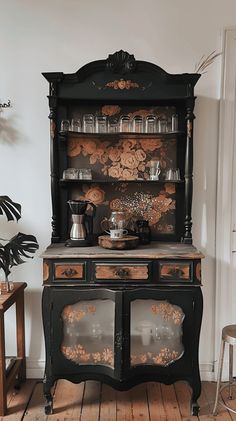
(65, 182)
(129, 135)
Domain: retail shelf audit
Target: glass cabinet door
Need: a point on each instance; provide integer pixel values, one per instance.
(84, 335)
(88, 332)
(156, 329)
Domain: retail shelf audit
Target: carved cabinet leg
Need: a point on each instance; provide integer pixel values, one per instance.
(47, 385)
(194, 408)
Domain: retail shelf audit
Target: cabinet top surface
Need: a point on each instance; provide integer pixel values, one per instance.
(156, 250)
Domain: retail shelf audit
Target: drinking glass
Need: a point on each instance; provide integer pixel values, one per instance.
(137, 126)
(75, 125)
(155, 169)
(65, 125)
(85, 174)
(70, 174)
(125, 123)
(150, 124)
(174, 122)
(101, 124)
(113, 126)
(173, 174)
(162, 125)
(88, 123)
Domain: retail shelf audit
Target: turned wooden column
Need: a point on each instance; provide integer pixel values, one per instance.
(188, 174)
(54, 160)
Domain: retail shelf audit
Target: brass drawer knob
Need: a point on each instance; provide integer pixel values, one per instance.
(176, 272)
(69, 272)
(122, 273)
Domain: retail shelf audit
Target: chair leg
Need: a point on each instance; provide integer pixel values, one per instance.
(230, 370)
(220, 367)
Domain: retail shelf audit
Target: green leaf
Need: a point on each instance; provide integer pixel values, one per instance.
(19, 248)
(3, 260)
(11, 209)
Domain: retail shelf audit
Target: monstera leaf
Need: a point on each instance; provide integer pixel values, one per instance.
(11, 209)
(3, 262)
(19, 248)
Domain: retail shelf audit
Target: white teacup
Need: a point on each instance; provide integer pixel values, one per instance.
(117, 233)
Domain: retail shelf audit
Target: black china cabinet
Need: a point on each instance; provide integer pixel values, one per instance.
(123, 316)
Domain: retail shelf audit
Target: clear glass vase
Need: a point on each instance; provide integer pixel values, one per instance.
(6, 284)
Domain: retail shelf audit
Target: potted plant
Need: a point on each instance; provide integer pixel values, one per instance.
(13, 252)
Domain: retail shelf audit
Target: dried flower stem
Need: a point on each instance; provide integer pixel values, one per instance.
(205, 62)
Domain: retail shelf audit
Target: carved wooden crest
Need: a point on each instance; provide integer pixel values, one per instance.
(121, 62)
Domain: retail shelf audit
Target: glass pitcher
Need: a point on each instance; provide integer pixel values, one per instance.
(117, 220)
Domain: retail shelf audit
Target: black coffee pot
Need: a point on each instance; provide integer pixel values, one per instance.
(81, 233)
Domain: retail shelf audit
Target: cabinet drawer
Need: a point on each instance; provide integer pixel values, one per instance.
(175, 271)
(69, 271)
(122, 271)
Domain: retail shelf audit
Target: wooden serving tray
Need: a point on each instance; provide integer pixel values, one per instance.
(126, 243)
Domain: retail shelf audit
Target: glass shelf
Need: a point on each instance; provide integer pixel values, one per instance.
(97, 181)
(166, 135)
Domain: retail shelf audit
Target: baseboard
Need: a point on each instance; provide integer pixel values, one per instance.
(35, 370)
(207, 372)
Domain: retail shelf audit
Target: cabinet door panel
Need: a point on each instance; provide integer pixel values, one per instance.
(84, 325)
(161, 331)
(88, 332)
(156, 332)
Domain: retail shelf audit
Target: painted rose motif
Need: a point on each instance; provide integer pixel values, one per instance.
(169, 188)
(161, 203)
(128, 160)
(152, 216)
(110, 110)
(114, 154)
(95, 195)
(74, 147)
(89, 146)
(128, 144)
(140, 155)
(128, 174)
(132, 154)
(151, 144)
(115, 171)
(141, 167)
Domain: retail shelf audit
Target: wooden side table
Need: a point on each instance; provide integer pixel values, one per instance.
(18, 369)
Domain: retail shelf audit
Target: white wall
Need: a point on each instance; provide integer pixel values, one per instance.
(62, 35)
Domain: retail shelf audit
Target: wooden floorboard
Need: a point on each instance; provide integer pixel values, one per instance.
(124, 406)
(170, 402)
(67, 401)
(91, 401)
(108, 403)
(183, 395)
(156, 407)
(139, 403)
(19, 401)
